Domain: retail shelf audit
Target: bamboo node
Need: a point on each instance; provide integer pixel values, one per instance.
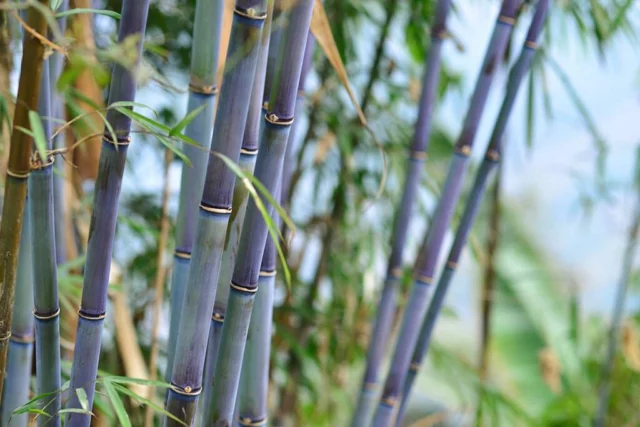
(506, 20)
(37, 163)
(414, 366)
(27, 339)
(121, 141)
(465, 150)
(270, 273)
(243, 288)
(182, 254)
(425, 279)
(91, 316)
(217, 317)
(187, 391)
(389, 401)
(531, 44)
(250, 13)
(493, 155)
(275, 120)
(213, 210)
(452, 265)
(248, 152)
(6, 337)
(418, 155)
(202, 89)
(46, 316)
(17, 174)
(246, 421)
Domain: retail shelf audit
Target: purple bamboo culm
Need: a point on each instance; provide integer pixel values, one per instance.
(215, 211)
(426, 262)
(103, 221)
(491, 159)
(244, 283)
(387, 304)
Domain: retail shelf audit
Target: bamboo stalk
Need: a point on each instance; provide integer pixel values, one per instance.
(161, 274)
(487, 168)
(56, 64)
(248, 154)
(15, 191)
(16, 390)
(103, 221)
(215, 211)
(618, 309)
(251, 404)
(202, 94)
(415, 164)
(426, 262)
(244, 283)
(47, 308)
(292, 145)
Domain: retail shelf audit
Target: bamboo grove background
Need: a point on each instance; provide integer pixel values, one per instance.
(368, 90)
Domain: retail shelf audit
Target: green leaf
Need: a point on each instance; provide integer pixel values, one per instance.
(82, 398)
(185, 121)
(75, 411)
(118, 406)
(148, 402)
(251, 182)
(115, 379)
(38, 135)
(80, 10)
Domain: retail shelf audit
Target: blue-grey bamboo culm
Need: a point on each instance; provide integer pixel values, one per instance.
(417, 156)
(215, 210)
(425, 266)
(202, 94)
(45, 282)
(487, 168)
(244, 283)
(18, 378)
(103, 221)
(248, 153)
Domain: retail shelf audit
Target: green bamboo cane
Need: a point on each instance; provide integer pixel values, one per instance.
(103, 221)
(202, 94)
(244, 283)
(247, 162)
(47, 310)
(15, 191)
(18, 379)
(215, 210)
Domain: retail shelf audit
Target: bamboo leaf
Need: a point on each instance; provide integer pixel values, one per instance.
(322, 31)
(78, 11)
(75, 411)
(118, 406)
(186, 120)
(148, 402)
(251, 182)
(150, 124)
(38, 134)
(126, 380)
(82, 398)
